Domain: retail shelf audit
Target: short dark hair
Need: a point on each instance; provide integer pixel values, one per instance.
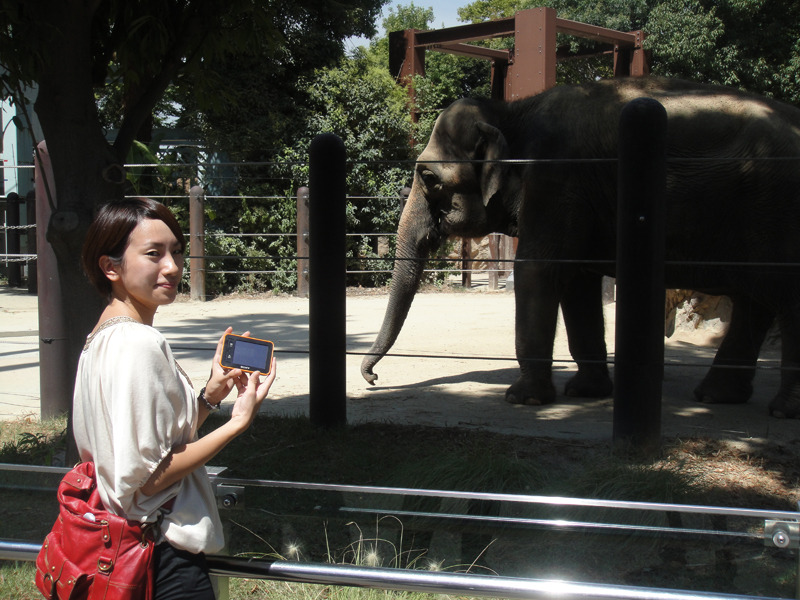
(110, 232)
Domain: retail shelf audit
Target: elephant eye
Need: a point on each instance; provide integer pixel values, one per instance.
(430, 179)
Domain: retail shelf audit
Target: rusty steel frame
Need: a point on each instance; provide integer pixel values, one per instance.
(527, 69)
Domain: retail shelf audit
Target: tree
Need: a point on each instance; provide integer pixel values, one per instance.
(358, 101)
(276, 120)
(71, 48)
(750, 44)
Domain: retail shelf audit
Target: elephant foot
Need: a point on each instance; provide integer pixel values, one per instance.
(784, 407)
(523, 391)
(589, 384)
(724, 387)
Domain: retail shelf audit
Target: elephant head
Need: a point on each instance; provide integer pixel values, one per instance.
(460, 188)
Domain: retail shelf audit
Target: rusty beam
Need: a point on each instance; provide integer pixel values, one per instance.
(593, 32)
(631, 60)
(565, 53)
(435, 38)
(499, 77)
(406, 56)
(467, 33)
(508, 27)
(472, 51)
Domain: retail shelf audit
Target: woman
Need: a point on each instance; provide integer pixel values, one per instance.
(135, 412)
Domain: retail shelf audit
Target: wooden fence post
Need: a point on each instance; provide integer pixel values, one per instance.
(30, 246)
(302, 241)
(197, 244)
(13, 266)
(55, 378)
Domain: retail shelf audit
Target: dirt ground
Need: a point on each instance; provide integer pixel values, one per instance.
(455, 358)
(450, 367)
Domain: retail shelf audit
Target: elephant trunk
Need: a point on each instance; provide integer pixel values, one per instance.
(416, 238)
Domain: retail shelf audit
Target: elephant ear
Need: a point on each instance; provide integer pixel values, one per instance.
(493, 149)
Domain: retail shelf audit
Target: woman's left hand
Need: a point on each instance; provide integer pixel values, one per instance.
(222, 381)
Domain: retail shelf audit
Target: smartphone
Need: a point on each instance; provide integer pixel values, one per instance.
(246, 353)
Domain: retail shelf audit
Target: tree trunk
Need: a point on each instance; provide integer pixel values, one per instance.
(86, 173)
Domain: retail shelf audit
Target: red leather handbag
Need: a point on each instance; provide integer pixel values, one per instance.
(90, 553)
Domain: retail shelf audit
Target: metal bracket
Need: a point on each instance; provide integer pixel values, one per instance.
(782, 534)
(230, 496)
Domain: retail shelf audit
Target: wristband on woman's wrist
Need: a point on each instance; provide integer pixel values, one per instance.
(205, 402)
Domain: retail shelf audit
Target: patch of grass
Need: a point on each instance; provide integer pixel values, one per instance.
(451, 459)
(16, 581)
(366, 550)
(29, 441)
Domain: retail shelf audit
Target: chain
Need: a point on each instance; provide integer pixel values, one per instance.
(3, 227)
(15, 258)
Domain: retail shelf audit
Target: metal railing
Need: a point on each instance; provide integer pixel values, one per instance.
(781, 529)
(488, 586)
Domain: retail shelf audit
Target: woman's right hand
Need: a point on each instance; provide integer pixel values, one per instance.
(222, 381)
(250, 396)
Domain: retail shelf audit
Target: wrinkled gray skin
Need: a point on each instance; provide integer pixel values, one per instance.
(729, 211)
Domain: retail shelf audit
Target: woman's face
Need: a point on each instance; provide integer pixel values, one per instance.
(151, 266)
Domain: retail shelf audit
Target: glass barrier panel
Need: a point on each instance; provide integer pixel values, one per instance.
(695, 548)
(28, 506)
(662, 546)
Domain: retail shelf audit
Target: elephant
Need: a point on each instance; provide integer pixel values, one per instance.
(527, 168)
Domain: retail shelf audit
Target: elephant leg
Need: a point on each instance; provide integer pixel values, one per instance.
(582, 307)
(786, 404)
(730, 379)
(536, 300)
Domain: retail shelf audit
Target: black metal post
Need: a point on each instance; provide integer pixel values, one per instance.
(327, 281)
(639, 361)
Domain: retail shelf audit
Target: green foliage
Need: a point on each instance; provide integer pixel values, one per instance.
(749, 44)
(685, 37)
(447, 77)
(408, 16)
(359, 102)
(490, 10)
(400, 18)
(251, 244)
(144, 179)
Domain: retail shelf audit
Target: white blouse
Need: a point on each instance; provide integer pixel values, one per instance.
(132, 406)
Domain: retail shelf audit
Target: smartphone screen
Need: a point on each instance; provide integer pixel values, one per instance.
(246, 353)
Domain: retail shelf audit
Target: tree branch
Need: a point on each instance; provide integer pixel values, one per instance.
(176, 57)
